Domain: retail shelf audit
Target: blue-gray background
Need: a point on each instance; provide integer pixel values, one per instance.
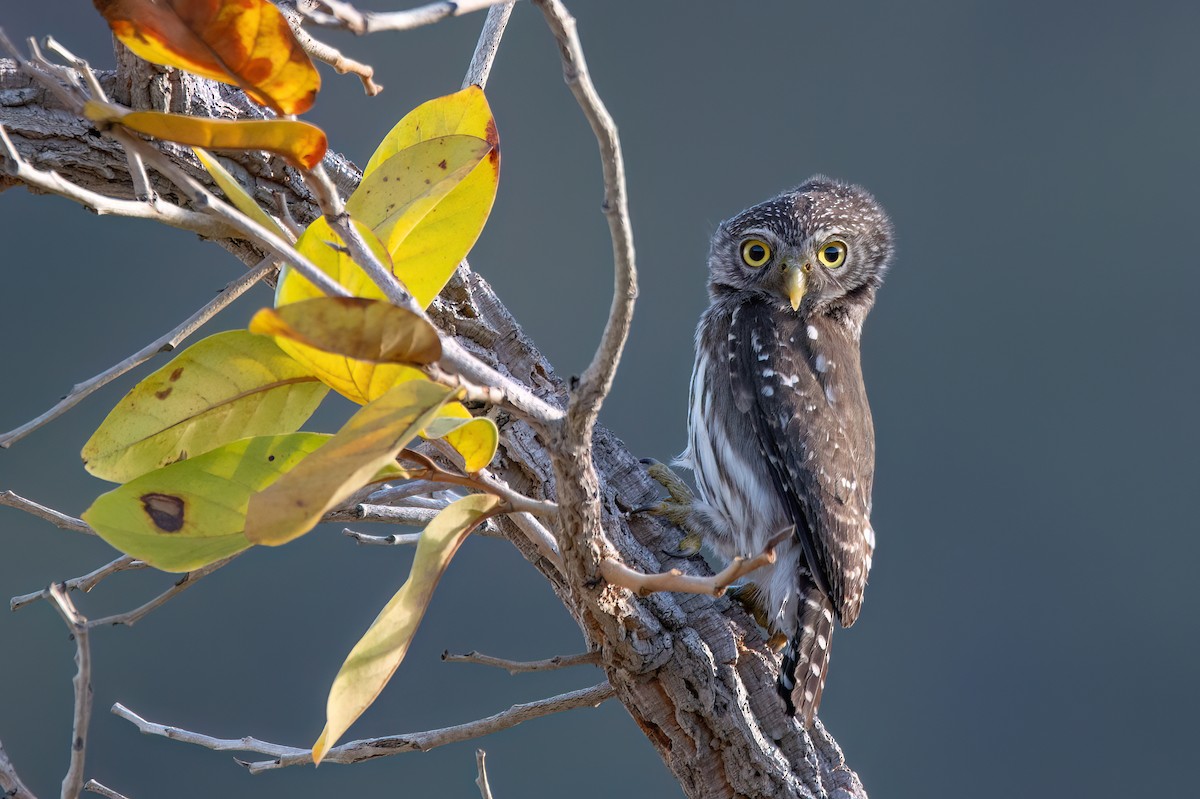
(1030, 627)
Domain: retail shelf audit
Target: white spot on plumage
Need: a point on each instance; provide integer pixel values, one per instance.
(768, 391)
(822, 363)
(812, 332)
(822, 641)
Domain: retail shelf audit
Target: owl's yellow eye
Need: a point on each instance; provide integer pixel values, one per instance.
(832, 255)
(755, 252)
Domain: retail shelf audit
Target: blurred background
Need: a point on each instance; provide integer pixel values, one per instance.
(1030, 627)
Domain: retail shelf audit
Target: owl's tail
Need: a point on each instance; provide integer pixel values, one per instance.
(806, 657)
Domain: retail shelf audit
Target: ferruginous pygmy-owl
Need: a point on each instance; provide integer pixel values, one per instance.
(779, 430)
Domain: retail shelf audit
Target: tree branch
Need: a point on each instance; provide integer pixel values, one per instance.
(164, 343)
(85, 583)
(108, 793)
(59, 520)
(346, 16)
(484, 56)
(485, 790)
(521, 667)
(10, 781)
(370, 748)
(73, 782)
(618, 573)
(132, 617)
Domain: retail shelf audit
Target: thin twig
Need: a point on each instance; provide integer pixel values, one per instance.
(132, 617)
(60, 520)
(395, 539)
(485, 790)
(521, 667)
(480, 481)
(346, 16)
(84, 583)
(328, 53)
(73, 782)
(165, 343)
(618, 573)
(95, 787)
(489, 43)
(166, 213)
(541, 537)
(597, 379)
(370, 748)
(10, 781)
(413, 517)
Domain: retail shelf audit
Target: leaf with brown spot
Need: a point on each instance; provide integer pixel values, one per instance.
(220, 389)
(192, 513)
(365, 444)
(367, 330)
(299, 142)
(246, 43)
(432, 250)
(377, 655)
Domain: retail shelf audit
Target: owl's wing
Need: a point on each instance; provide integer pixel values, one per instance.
(813, 428)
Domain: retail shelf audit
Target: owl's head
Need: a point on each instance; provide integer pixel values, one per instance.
(821, 245)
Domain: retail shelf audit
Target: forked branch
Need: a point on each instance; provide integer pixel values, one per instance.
(618, 573)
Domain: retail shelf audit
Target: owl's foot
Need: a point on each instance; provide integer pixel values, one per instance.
(677, 509)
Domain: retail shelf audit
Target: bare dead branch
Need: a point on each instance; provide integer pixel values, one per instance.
(370, 748)
(10, 781)
(73, 782)
(84, 583)
(521, 667)
(166, 213)
(485, 790)
(94, 787)
(597, 379)
(674, 580)
(346, 16)
(60, 520)
(164, 343)
(482, 480)
(132, 617)
(484, 56)
(395, 539)
(328, 53)
(414, 517)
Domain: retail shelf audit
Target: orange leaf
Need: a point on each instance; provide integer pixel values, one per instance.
(299, 142)
(243, 42)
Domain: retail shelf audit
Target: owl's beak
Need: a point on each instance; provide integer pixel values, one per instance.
(795, 282)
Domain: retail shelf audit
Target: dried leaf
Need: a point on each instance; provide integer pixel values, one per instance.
(374, 659)
(367, 330)
(368, 442)
(299, 142)
(243, 42)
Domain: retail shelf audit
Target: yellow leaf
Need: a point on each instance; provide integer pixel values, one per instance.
(243, 42)
(407, 186)
(299, 142)
(220, 389)
(475, 439)
(464, 113)
(236, 194)
(428, 256)
(374, 659)
(369, 441)
(190, 514)
(367, 330)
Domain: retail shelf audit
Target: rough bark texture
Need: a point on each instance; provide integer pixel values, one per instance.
(693, 672)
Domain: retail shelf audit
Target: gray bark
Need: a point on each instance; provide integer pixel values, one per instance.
(693, 672)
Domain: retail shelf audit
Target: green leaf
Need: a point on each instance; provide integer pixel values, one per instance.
(190, 514)
(366, 444)
(225, 387)
(374, 659)
(368, 330)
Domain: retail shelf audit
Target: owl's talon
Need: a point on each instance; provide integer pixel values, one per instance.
(689, 546)
(750, 597)
(777, 642)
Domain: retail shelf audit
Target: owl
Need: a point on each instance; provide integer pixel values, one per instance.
(779, 430)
